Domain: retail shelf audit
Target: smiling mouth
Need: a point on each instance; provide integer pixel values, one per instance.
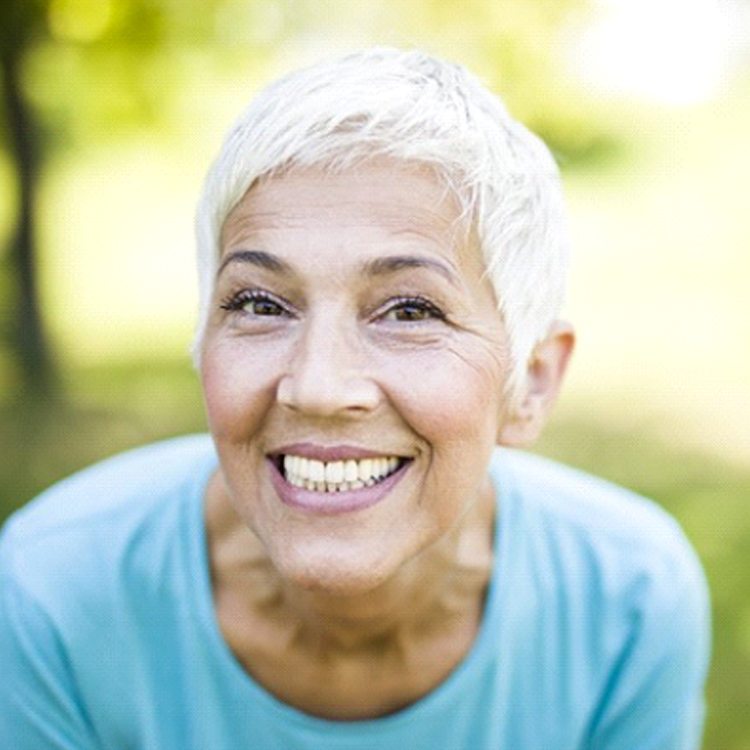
(337, 476)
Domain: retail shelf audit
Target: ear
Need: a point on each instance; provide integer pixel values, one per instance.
(544, 376)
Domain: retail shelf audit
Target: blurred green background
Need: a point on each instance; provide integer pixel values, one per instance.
(113, 110)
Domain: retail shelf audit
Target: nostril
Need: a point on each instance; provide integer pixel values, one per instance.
(320, 394)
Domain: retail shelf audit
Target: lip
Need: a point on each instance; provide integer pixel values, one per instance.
(330, 452)
(333, 503)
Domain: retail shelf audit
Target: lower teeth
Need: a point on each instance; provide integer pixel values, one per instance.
(328, 488)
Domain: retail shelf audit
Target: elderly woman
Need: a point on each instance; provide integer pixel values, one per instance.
(349, 561)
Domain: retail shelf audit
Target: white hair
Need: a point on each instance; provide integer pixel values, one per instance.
(409, 107)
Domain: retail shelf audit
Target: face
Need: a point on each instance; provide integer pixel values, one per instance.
(353, 370)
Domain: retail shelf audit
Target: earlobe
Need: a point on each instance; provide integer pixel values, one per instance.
(544, 376)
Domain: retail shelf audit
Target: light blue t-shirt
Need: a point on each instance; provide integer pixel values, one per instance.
(595, 631)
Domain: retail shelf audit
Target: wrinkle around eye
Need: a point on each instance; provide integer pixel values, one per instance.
(410, 338)
(489, 344)
(493, 367)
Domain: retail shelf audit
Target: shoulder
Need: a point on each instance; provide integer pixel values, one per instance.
(603, 553)
(79, 528)
(92, 573)
(608, 524)
(614, 588)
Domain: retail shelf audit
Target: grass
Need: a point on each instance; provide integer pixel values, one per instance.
(114, 407)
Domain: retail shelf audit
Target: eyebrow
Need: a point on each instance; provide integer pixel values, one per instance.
(394, 263)
(258, 258)
(375, 267)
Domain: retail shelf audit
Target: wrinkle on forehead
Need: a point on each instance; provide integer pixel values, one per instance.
(321, 196)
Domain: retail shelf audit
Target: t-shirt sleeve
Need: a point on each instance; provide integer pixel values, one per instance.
(655, 694)
(39, 707)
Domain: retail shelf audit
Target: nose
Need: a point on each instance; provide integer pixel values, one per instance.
(328, 374)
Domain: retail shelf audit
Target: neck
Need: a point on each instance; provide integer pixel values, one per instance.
(440, 588)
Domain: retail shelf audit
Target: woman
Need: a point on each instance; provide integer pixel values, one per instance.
(349, 562)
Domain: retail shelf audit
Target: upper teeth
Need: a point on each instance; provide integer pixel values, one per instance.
(337, 476)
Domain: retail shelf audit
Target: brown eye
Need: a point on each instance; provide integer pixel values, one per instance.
(413, 311)
(255, 302)
(262, 307)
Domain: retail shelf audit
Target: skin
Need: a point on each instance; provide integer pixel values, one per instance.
(357, 614)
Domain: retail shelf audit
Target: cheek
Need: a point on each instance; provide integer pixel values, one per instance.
(454, 403)
(453, 397)
(237, 392)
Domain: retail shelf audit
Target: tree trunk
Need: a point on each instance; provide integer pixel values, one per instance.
(28, 338)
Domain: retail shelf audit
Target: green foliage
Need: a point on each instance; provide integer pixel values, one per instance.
(21, 21)
(518, 48)
(97, 69)
(107, 410)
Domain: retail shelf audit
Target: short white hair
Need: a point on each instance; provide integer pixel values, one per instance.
(410, 107)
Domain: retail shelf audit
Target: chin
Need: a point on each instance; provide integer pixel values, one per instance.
(337, 573)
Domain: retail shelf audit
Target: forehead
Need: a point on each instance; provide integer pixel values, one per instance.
(377, 200)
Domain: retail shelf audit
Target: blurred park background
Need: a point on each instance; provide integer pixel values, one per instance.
(114, 108)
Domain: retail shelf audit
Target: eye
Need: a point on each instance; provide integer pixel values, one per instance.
(255, 302)
(412, 310)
